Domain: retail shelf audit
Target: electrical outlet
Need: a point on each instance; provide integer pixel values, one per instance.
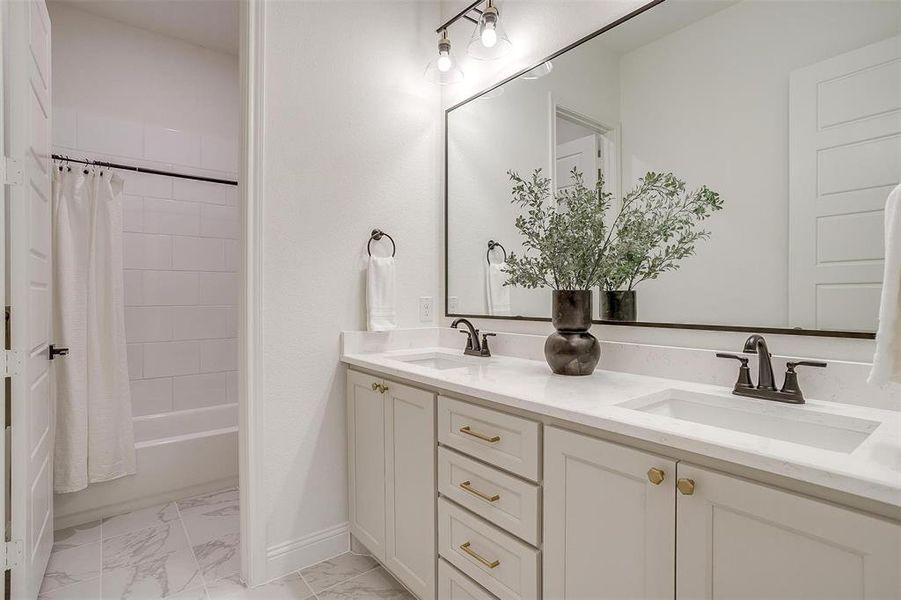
(453, 303)
(425, 309)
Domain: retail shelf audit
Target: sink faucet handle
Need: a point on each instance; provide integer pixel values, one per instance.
(744, 372)
(468, 338)
(804, 363)
(790, 385)
(485, 350)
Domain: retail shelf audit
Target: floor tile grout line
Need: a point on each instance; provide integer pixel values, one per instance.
(378, 565)
(184, 528)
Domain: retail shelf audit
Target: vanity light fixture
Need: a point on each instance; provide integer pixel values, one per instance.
(444, 69)
(489, 41)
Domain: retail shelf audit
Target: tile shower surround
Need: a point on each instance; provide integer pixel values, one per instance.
(180, 250)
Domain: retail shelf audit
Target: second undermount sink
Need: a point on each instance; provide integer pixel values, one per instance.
(436, 360)
(788, 423)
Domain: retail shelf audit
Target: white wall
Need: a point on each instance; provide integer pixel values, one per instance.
(136, 97)
(537, 30)
(350, 143)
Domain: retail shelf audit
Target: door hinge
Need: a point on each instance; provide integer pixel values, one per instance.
(12, 554)
(10, 363)
(11, 171)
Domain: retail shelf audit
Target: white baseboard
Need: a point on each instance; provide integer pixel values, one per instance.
(292, 555)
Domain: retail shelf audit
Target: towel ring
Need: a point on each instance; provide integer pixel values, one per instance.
(377, 235)
(491, 246)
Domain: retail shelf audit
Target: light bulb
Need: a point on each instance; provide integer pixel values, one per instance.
(444, 63)
(489, 35)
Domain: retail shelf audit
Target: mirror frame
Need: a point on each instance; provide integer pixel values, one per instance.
(697, 326)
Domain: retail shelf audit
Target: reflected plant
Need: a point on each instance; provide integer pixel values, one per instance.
(568, 244)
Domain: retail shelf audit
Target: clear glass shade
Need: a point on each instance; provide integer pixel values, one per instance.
(489, 40)
(444, 69)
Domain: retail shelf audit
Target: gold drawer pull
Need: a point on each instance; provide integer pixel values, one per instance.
(482, 436)
(656, 476)
(467, 485)
(375, 387)
(491, 564)
(378, 387)
(686, 486)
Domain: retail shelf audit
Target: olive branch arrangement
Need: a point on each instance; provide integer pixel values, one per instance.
(571, 243)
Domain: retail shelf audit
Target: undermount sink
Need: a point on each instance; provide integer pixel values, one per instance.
(436, 360)
(772, 420)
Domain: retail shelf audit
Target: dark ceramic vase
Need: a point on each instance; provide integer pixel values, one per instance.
(571, 350)
(619, 305)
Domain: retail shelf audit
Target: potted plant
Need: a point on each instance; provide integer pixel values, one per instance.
(656, 227)
(570, 248)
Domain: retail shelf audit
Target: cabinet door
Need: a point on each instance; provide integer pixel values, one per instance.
(410, 468)
(739, 539)
(609, 532)
(366, 461)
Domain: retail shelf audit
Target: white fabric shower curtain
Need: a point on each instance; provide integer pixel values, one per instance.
(94, 431)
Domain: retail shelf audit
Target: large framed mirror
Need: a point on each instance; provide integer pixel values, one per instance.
(790, 110)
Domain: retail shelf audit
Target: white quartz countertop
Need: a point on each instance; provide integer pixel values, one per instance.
(872, 470)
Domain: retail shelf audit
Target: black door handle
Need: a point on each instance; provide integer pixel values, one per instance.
(57, 351)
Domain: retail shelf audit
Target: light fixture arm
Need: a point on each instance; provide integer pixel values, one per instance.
(465, 14)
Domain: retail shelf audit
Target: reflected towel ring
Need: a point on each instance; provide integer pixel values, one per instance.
(377, 235)
(491, 246)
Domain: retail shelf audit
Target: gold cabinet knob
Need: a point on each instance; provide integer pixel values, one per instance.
(686, 486)
(375, 387)
(656, 476)
(383, 388)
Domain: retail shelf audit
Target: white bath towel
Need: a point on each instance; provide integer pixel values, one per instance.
(498, 293)
(380, 294)
(887, 360)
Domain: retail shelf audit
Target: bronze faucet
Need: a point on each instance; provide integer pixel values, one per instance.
(766, 388)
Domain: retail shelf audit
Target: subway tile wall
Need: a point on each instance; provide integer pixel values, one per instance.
(180, 253)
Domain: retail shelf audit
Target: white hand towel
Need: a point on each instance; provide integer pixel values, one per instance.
(498, 293)
(887, 360)
(380, 294)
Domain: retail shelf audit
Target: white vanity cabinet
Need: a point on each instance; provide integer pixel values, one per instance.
(391, 451)
(469, 501)
(747, 540)
(609, 531)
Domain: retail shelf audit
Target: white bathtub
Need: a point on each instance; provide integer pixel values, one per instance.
(178, 455)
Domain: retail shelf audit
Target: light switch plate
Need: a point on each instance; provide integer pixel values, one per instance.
(426, 308)
(453, 303)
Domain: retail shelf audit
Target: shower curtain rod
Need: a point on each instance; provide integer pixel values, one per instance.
(111, 165)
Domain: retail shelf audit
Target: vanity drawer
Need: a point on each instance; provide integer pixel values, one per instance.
(454, 585)
(510, 442)
(504, 500)
(504, 565)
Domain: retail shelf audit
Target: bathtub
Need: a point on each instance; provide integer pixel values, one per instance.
(179, 454)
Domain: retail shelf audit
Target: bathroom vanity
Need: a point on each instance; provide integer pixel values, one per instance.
(479, 478)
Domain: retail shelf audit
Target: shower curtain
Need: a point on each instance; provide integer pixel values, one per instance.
(94, 432)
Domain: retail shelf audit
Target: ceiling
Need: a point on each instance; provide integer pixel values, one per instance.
(209, 23)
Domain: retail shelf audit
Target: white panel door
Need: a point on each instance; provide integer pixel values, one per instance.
(27, 123)
(743, 540)
(581, 154)
(4, 441)
(845, 157)
(410, 450)
(366, 461)
(609, 531)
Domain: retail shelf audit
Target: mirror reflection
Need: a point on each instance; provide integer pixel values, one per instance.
(734, 158)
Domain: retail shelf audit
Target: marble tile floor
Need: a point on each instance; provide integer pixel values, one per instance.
(188, 550)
